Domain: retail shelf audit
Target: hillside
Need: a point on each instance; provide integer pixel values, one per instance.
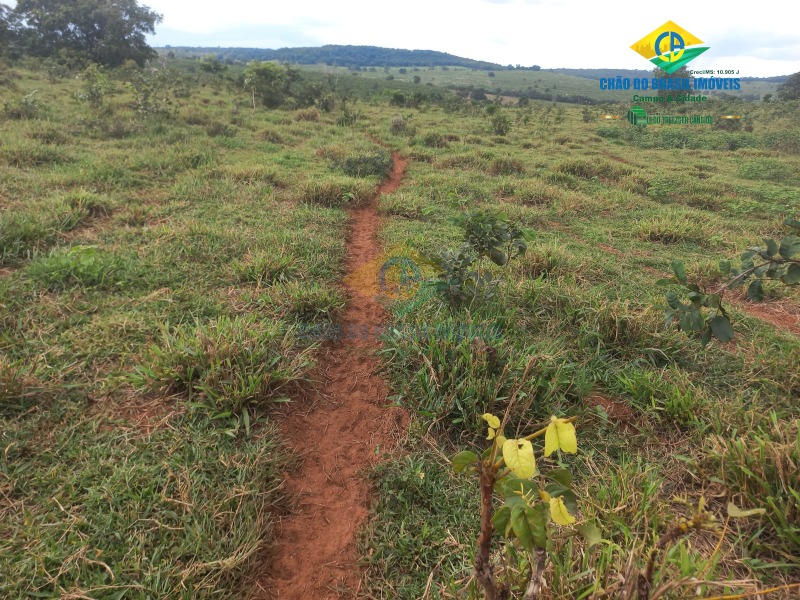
(347, 56)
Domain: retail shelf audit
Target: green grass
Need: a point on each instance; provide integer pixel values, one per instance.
(579, 316)
(156, 271)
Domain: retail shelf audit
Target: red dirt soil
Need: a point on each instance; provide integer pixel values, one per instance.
(345, 430)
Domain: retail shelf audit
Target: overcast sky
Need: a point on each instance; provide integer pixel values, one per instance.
(759, 42)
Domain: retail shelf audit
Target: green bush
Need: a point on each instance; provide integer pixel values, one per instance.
(764, 169)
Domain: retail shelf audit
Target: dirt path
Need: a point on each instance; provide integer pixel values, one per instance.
(340, 429)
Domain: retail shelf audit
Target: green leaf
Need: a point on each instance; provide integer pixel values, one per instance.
(790, 245)
(680, 272)
(561, 476)
(738, 513)
(590, 533)
(792, 223)
(666, 281)
(462, 460)
(725, 266)
(792, 275)
(498, 257)
(721, 328)
(705, 338)
(501, 520)
(755, 291)
(512, 486)
(692, 320)
(530, 525)
(672, 300)
(772, 247)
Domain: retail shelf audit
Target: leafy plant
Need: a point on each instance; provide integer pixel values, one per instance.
(462, 275)
(777, 261)
(704, 314)
(691, 316)
(95, 88)
(533, 502)
(26, 107)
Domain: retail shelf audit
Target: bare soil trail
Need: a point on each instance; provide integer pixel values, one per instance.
(340, 429)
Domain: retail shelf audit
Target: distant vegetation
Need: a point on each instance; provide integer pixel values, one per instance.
(346, 56)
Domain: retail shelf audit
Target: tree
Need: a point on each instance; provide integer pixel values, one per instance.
(790, 89)
(7, 28)
(108, 32)
(269, 83)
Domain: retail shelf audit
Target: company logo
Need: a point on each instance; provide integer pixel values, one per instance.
(399, 275)
(637, 116)
(669, 47)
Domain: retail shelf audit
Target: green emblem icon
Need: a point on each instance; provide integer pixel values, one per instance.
(669, 47)
(637, 116)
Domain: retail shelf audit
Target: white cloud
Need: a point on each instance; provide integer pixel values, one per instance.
(550, 33)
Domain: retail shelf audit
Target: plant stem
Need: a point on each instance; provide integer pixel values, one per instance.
(535, 586)
(483, 565)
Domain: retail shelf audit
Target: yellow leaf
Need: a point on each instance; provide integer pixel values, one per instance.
(493, 421)
(738, 513)
(501, 439)
(518, 455)
(559, 512)
(560, 435)
(490, 435)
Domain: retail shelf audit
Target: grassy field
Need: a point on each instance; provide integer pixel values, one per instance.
(159, 261)
(660, 419)
(154, 273)
(509, 82)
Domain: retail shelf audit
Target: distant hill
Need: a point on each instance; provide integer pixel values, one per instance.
(343, 56)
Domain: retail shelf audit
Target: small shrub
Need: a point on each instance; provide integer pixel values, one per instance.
(266, 269)
(434, 140)
(501, 124)
(378, 164)
(219, 129)
(26, 107)
(507, 166)
(764, 169)
(339, 191)
(307, 114)
(399, 126)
